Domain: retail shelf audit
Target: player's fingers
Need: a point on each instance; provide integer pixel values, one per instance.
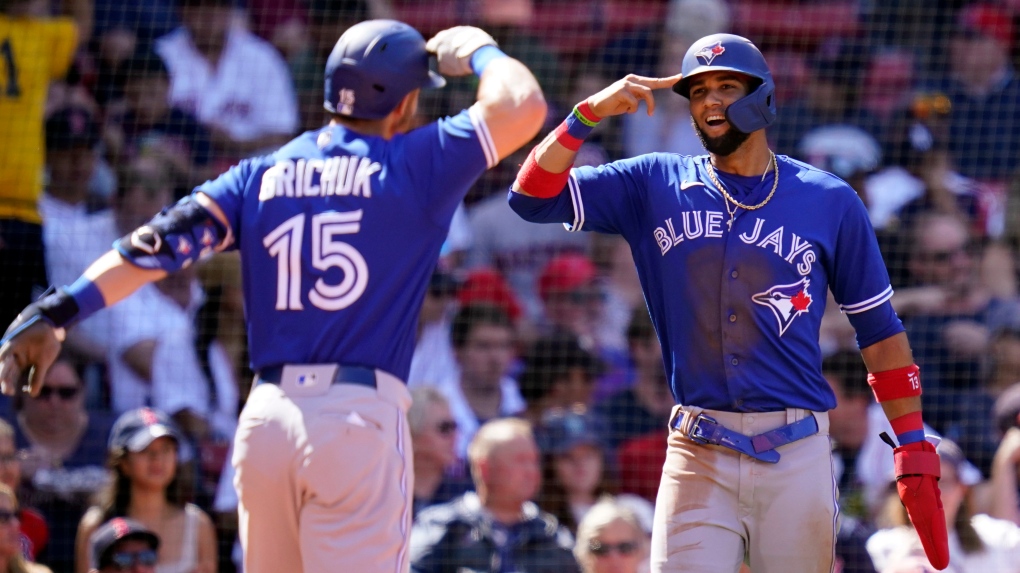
(644, 93)
(9, 372)
(37, 373)
(628, 101)
(656, 83)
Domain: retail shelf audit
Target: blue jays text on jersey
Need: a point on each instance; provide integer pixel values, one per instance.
(339, 234)
(737, 311)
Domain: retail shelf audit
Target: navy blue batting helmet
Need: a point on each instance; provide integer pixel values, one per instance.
(373, 66)
(727, 52)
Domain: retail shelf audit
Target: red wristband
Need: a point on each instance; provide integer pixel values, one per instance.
(899, 383)
(538, 182)
(564, 138)
(907, 423)
(586, 111)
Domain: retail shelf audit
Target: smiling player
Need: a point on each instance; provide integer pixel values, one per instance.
(736, 250)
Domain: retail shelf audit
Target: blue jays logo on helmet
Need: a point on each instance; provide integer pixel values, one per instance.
(787, 302)
(708, 53)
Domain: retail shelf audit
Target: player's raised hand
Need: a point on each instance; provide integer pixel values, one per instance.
(30, 342)
(453, 48)
(623, 96)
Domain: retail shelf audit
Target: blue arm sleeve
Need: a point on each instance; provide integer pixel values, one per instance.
(875, 325)
(556, 209)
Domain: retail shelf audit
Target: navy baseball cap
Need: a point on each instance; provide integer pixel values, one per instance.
(135, 429)
(113, 532)
(562, 430)
(72, 127)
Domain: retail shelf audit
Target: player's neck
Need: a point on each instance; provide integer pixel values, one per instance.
(751, 159)
(384, 128)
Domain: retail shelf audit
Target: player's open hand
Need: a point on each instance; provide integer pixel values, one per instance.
(623, 96)
(31, 343)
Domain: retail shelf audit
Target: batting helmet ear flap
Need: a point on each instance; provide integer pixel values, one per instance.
(756, 110)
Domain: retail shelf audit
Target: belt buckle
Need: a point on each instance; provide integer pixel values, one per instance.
(696, 434)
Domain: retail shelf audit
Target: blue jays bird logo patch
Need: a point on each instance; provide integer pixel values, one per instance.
(786, 301)
(708, 53)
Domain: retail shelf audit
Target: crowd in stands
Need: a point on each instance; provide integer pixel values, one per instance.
(540, 397)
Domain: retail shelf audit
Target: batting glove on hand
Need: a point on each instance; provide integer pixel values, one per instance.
(917, 473)
(453, 48)
(32, 341)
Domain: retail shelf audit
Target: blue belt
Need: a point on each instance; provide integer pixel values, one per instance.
(705, 430)
(344, 375)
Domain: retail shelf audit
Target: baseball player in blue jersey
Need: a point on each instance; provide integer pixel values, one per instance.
(339, 232)
(736, 251)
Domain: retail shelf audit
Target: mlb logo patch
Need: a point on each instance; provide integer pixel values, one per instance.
(709, 53)
(346, 102)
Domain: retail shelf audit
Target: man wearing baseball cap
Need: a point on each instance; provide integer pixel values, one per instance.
(123, 545)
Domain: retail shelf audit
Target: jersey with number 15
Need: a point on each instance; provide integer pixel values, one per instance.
(339, 234)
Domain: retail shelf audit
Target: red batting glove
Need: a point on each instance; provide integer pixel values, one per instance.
(917, 474)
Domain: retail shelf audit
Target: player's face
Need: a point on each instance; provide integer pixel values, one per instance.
(486, 355)
(154, 467)
(711, 93)
(514, 472)
(621, 549)
(579, 469)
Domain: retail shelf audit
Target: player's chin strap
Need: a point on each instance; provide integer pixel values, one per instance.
(917, 464)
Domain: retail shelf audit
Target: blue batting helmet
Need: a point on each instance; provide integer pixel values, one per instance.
(727, 52)
(373, 66)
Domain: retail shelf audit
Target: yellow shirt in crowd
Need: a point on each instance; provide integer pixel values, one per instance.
(33, 52)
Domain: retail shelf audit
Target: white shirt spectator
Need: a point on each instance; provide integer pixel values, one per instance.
(248, 93)
(511, 404)
(1001, 553)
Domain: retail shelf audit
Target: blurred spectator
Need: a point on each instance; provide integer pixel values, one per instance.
(483, 343)
(438, 477)
(610, 539)
(76, 230)
(1001, 497)
(61, 447)
(433, 358)
(849, 427)
(670, 129)
(517, 249)
(559, 373)
(12, 559)
(846, 151)
(52, 43)
(640, 461)
(34, 531)
(142, 452)
(156, 359)
(121, 545)
(829, 98)
(498, 528)
(149, 124)
(575, 466)
(985, 93)
(572, 300)
(234, 82)
(621, 295)
(639, 409)
(977, 543)
(284, 23)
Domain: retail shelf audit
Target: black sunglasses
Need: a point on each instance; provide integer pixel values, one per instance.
(65, 393)
(125, 560)
(600, 549)
(6, 516)
(446, 427)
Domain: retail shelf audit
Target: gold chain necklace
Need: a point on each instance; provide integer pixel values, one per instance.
(733, 213)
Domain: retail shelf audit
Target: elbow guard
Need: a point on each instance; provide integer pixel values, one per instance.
(899, 383)
(175, 238)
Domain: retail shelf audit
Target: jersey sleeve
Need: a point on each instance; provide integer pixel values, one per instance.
(608, 198)
(858, 278)
(63, 40)
(228, 190)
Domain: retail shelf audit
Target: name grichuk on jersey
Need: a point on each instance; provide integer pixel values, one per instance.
(737, 311)
(339, 234)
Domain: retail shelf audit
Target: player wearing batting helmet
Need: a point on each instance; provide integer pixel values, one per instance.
(339, 231)
(737, 250)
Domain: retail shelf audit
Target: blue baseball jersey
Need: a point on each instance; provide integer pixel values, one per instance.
(737, 311)
(339, 234)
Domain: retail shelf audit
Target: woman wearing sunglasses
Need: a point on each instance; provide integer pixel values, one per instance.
(610, 539)
(143, 456)
(11, 558)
